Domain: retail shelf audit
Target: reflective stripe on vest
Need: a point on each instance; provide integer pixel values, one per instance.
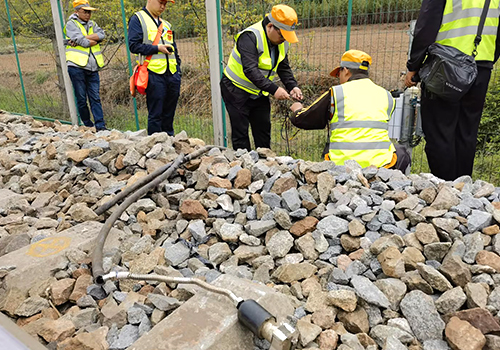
(459, 27)
(359, 131)
(234, 68)
(158, 63)
(79, 55)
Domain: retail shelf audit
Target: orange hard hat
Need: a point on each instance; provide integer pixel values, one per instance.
(285, 18)
(353, 59)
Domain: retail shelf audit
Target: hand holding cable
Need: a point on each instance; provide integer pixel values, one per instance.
(296, 94)
(166, 49)
(281, 94)
(411, 79)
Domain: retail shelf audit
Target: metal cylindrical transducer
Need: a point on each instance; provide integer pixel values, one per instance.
(254, 316)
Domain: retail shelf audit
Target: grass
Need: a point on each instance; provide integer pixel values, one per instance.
(43, 105)
(22, 43)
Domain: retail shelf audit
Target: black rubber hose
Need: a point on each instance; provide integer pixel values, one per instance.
(141, 182)
(97, 269)
(97, 256)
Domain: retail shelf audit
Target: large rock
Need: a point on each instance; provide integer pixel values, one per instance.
(426, 233)
(36, 262)
(61, 290)
(392, 262)
(294, 272)
(304, 226)
(462, 336)
(380, 333)
(280, 244)
(489, 259)
(456, 270)
(445, 199)
(57, 330)
(307, 331)
(477, 296)
(434, 278)
(81, 213)
(356, 321)
(369, 292)
(479, 318)
(451, 301)
(343, 299)
(393, 289)
(332, 226)
(192, 209)
(420, 311)
(12, 201)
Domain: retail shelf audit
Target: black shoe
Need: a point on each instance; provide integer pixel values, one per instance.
(101, 129)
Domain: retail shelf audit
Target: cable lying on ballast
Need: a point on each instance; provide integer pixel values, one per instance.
(133, 276)
(250, 313)
(136, 193)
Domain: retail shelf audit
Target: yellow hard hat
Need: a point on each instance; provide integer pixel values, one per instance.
(285, 18)
(353, 59)
(82, 4)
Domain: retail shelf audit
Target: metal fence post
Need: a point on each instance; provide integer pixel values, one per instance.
(221, 62)
(349, 23)
(62, 60)
(125, 33)
(215, 71)
(17, 57)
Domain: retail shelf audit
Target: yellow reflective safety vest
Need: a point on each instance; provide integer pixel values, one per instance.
(80, 55)
(158, 63)
(234, 68)
(359, 128)
(459, 27)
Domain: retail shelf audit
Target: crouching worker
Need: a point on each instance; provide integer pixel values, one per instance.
(357, 112)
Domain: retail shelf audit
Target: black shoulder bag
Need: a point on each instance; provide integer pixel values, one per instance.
(448, 72)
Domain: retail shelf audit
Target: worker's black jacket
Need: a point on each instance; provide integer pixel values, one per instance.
(247, 47)
(316, 116)
(426, 30)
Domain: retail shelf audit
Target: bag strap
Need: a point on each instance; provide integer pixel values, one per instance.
(480, 27)
(156, 41)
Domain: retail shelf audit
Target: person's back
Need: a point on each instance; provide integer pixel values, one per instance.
(359, 124)
(357, 112)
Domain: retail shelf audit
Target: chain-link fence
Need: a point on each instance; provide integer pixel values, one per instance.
(327, 28)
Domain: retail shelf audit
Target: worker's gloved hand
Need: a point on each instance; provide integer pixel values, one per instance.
(296, 94)
(408, 80)
(166, 49)
(297, 106)
(281, 94)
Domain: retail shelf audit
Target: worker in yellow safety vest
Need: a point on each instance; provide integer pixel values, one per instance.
(451, 127)
(357, 113)
(84, 59)
(164, 68)
(259, 55)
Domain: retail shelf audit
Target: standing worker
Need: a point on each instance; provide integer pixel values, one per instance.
(259, 54)
(451, 127)
(358, 113)
(164, 69)
(84, 59)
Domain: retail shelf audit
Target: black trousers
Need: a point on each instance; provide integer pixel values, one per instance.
(162, 95)
(244, 111)
(451, 127)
